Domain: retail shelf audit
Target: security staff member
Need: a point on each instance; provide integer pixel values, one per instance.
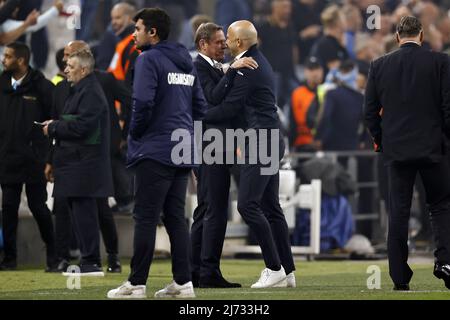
(81, 159)
(211, 215)
(167, 96)
(252, 94)
(412, 88)
(23, 149)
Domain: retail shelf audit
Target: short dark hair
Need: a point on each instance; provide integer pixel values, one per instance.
(346, 66)
(155, 18)
(21, 50)
(409, 26)
(59, 59)
(205, 32)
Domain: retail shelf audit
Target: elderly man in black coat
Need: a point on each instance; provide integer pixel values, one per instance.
(23, 149)
(114, 90)
(81, 159)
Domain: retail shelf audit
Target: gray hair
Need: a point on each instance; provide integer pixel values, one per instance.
(206, 32)
(85, 58)
(409, 26)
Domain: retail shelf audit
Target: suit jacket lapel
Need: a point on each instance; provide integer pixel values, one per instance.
(206, 63)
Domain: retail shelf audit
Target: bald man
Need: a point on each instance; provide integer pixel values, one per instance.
(113, 90)
(252, 96)
(122, 26)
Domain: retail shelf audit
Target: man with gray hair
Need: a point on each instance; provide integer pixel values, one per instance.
(81, 158)
(114, 90)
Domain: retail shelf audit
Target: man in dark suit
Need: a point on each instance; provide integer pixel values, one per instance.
(407, 111)
(252, 95)
(81, 160)
(211, 214)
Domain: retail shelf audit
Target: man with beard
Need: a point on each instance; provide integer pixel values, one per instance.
(23, 149)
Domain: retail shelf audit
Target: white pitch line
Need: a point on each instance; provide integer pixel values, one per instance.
(409, 292)
(244, 292)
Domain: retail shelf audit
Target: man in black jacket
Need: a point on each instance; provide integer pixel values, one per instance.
(211, 214)
(23, 149)
(407, 111)
(81, 159)
(252, 95)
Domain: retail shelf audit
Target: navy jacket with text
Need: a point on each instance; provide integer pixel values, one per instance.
(166, 96)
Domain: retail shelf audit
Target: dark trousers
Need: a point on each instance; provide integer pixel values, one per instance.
(37, 197)
(436, 180)
(197, 224)
(84, 214)
(216, 218)
(212, 216)
(64, 227)
(259, 205)
(160, 188)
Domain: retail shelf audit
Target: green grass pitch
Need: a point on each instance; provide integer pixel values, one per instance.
(315, 281)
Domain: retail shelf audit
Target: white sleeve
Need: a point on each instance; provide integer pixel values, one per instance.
(10, 25)
(42, 21)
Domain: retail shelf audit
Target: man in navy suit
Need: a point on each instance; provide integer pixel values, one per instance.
(211, 214)
(252, 95)
(412, 88)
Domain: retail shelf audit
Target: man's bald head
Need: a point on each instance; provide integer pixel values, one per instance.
(75, 46)
(241, 35)
(122, 16)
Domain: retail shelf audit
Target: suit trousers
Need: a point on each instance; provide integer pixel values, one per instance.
(160, 188)
(259, 205)
(198, 215)
(436, 180)
(215, 219)
(37, 197)
(84, 214)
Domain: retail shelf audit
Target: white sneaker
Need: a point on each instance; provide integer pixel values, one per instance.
(269, 278)
(288, 282)
(127, 291)
(174, 290)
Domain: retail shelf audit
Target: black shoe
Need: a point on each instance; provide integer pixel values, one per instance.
(8, 265)
(401, 287)
(217, 282)
(114, 264)
(59, 267)
(442, 271)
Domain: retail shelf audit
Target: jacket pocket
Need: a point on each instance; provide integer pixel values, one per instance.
(64, 156)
